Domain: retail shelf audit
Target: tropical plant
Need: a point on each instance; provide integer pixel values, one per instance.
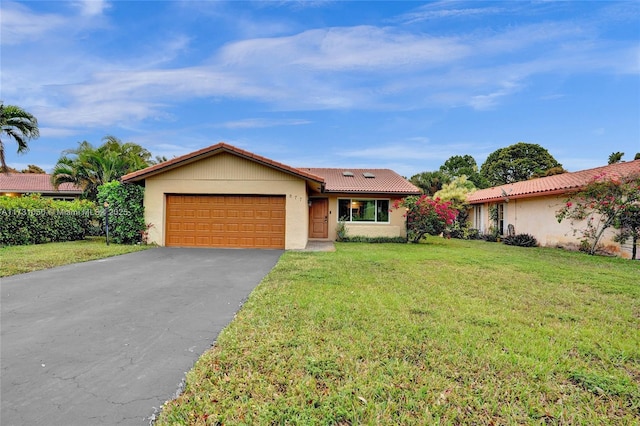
(521, 240)
(89, 167)
(456, 192)
(430, 182)
(615, 157)
(516, 163)
(425, 216)
(606, 201)
(18, 125)
(33, 169)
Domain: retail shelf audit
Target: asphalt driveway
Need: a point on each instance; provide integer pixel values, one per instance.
(107, 342)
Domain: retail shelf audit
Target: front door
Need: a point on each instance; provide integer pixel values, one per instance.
(319, 218)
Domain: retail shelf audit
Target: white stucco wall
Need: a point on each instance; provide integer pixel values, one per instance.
(537, 216)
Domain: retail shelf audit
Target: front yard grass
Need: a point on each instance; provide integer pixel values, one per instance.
(449, 332)
(20, 259)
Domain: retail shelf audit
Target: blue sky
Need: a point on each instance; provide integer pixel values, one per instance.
(401, 85)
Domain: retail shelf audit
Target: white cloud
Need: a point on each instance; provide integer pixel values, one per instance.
(431, 11)
(359, 67)
(57, 132)
(18, 24)
(91, 7)
(482, 102)
(366, 48)
(252, 123)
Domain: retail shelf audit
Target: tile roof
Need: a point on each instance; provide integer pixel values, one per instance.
(33, 183)
(550, 185)
(385, 181)
(210, 151)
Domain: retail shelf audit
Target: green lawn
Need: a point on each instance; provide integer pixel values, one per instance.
(449, 332)
(21, 259)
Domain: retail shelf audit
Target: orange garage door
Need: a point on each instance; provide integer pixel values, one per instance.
(237, 221)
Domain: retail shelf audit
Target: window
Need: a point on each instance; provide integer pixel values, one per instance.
(352, 210)
(501, 217)
(477, 218)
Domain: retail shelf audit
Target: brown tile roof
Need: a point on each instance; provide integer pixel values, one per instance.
(33, 183)
(213, 150)
(385, 181)
(550, 185)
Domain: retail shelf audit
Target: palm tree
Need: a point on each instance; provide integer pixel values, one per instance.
(89, 167)
(19, 125)
(615, 157)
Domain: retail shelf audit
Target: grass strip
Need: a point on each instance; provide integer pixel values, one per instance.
(20, 259)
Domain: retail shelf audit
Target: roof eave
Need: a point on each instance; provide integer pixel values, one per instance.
(215, 150)
(527, 195)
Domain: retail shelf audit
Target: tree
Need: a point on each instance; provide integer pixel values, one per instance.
(615, 157)
(630, 227)
(456, 193)
(464, 165)
(550, 172)
(430, 182)
(8, 170)
(158, 159)
(89, 167)
(459, 165)
(605, 202)
(18, 125)
(33, 169)
(637, 156)
(516, 163)
(426, 216)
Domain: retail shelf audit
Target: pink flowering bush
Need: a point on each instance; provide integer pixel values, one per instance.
(606, 201)
(425, 216)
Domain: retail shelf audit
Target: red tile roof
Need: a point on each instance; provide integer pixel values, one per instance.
(550, 185)
(210, 151)
(33, 183)
(384, 181)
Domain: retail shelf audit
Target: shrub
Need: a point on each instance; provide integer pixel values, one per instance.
(426, 216)
(35, 220)
(341, 230)
(363, 239)
(462, 231)
(521, 240)
(126, 211)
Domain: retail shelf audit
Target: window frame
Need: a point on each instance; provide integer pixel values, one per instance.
(369, 222)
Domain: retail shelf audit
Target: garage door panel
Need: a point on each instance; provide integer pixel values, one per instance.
(225, 221)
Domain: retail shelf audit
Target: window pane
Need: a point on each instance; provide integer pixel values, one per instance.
(363, 210)
(383, 210)
(344, 213)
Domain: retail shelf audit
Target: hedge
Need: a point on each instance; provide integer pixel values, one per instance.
(34, 220)
(126, 211)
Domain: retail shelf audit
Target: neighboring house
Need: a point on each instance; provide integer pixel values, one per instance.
(223, 196)
(19, 184)
(530, 207)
